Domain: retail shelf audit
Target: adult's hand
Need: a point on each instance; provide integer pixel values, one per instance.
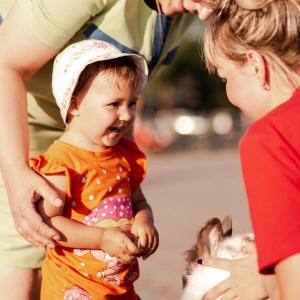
(24, 188)
(244, 282)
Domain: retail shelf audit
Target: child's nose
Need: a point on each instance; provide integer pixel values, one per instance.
(125, 115)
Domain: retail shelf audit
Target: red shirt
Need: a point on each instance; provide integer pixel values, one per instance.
(270, 156)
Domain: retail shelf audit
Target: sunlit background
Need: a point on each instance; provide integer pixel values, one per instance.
(185, 107)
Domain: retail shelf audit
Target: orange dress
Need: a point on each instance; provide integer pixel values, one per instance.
(99, 186)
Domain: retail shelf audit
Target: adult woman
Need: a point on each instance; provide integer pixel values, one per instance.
(261, 54)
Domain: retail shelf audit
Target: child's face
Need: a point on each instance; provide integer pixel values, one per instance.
(103, 113)
(244, 89)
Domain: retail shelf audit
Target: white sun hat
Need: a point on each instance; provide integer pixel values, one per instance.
(72, 60)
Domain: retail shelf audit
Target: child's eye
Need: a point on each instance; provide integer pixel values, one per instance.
(132, 104)
(114, 104)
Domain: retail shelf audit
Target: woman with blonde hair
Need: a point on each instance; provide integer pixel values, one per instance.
(254, 47)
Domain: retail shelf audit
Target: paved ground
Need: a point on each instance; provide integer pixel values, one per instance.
(185, 189)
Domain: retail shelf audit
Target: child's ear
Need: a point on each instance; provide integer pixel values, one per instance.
(73, 109)
(260, 68)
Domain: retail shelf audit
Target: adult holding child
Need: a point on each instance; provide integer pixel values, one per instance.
(32, 33)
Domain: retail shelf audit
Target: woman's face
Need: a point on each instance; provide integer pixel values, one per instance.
(244, 88)
(175, 7)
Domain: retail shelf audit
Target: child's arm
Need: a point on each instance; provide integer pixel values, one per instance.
(74, 234)
(143, 228)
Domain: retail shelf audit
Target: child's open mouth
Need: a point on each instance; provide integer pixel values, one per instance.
(116, 129)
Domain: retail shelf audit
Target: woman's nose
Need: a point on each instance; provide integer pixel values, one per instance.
(204, 8)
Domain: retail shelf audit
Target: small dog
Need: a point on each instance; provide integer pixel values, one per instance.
(214, 240)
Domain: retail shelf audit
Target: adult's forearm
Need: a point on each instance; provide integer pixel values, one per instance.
(21, 55)
(14, 137)
(271, 286)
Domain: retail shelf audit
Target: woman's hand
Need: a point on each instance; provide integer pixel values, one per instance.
(24, 188)
(244, 282)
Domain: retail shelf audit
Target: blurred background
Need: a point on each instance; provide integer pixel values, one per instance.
(190, 133)
(185, 107)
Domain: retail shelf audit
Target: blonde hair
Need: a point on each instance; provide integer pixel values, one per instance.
(271, 27)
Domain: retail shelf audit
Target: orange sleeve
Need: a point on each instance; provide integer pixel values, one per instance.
(46, 165)
(137, 160)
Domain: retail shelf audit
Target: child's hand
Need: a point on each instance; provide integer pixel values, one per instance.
(119, 244)
(146, 234)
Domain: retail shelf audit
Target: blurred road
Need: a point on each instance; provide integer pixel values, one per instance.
(185, 189)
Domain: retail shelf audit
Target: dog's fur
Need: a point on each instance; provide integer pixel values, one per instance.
(214, 240)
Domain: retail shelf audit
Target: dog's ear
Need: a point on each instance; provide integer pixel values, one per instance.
(209, 237)
(227, 226)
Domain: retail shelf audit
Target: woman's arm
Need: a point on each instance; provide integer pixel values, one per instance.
(288, 273)
(21, 55)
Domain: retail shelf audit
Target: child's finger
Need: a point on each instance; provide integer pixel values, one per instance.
(152, 248)
(132, 248)
(143, 242)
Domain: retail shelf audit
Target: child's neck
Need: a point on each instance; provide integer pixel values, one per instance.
(80, 142)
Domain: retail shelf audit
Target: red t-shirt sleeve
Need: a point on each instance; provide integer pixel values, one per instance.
(271, 170)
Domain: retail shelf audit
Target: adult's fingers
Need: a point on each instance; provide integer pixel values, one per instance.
(43, 190)
(250, 248)
(229, 295)
(34, 230)
(31, 226)
(217, 290)
(219, 263)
